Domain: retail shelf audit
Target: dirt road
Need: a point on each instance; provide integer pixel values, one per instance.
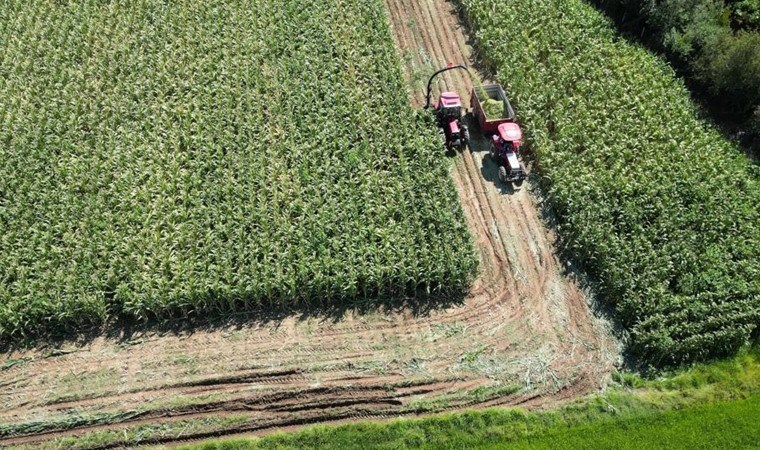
(524, 336)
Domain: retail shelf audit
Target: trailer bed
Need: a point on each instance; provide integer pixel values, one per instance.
(491, 107)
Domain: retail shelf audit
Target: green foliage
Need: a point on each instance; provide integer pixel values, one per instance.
(746, 13)
(656, 205)
(165, 158)
(494, 109)
(737, 376)
(715, 42)
(731, 64)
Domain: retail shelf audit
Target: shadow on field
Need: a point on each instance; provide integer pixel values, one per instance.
(126, 330)
(490, 171)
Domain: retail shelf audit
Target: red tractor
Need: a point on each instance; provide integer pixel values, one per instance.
(449, 114)
(505, 145)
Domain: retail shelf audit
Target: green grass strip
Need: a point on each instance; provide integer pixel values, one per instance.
(731, 424)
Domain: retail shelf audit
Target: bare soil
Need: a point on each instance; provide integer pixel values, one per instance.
(524, 324)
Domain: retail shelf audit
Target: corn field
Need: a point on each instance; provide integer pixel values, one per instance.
(658, 207)
(160, 159)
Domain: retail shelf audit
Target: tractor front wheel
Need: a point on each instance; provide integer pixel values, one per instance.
(502, 174)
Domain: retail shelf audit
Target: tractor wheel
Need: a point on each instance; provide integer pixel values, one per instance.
(465, 136)
(503, 174)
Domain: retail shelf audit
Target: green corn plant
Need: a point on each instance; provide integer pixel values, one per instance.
(161, 160)
(657, 206)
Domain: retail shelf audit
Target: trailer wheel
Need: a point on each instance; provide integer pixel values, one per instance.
(503, 174)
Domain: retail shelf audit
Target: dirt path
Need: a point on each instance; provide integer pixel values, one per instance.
(524, 336)
(520, 271)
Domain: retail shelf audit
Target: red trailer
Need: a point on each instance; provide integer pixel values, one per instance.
(496, 118)
(491, 107)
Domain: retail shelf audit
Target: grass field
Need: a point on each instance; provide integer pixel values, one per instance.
(653, 202)
(709, 406)
(166, 159)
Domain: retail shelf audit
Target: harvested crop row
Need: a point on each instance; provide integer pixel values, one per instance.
(160, 159)
(657, 206)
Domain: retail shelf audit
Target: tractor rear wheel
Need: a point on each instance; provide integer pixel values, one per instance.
(503, 174)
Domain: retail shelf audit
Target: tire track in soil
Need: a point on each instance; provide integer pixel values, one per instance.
(523, 323)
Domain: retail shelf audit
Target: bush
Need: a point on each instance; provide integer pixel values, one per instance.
(730, 65)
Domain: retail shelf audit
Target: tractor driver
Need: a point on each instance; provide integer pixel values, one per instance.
(509, 147)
